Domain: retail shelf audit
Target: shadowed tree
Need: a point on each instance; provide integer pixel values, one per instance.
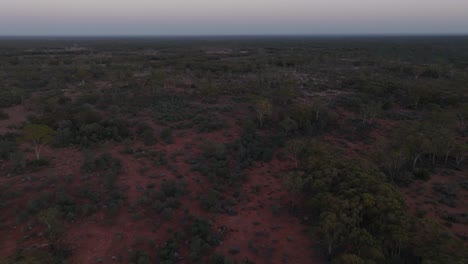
(286, 91)
(370, 111)
(331, 230)
(51, 219)
(294, 182)
(263, 108)
(462, 118)
(38, 136)
(318, 105)
(413, 139)
(460, 153)
(288, 125)
(390, 156)
(293, 149)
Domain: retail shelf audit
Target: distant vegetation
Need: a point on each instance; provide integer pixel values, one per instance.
(354, 123)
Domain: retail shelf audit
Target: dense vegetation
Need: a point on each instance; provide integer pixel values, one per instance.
(357, 121)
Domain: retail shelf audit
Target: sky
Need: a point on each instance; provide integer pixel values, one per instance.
(233, 17)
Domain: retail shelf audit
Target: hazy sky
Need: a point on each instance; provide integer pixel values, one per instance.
(233, 17)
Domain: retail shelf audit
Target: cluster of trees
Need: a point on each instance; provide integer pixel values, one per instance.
(223, 163)
(197, 234)
(106, 170)
(11, 96)
(8, 145)
(361, 218)
(165, 200)
(422, 144)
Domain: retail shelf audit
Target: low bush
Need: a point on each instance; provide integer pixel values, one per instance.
(447, 193)
(11, 96)
(72, 133)
(7, 147)
(422, 174)
(166, 136)
(168, 253)
(140, 257)
(3, 115)
(208, 123)
(166, 199)
(146, 133)
(202, 239)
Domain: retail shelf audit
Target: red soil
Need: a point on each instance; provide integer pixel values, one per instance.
(421, 197)
(16, 115)
(258, 233)
(96, 240)
(263, 231)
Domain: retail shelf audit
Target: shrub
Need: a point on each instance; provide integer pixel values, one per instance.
(447, 193)
(87, 134)
(146, 133)
(140, 257)
(168, 253)
(11, 96)
(208, 123)
(3, 115)
(218, 258)
(422, 174)
(202, 239)
(166, 135)
(19, 161)
(34, 256)
(7, 148)
(215, 202)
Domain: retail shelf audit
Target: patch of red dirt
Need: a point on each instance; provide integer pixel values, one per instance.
(420, 197)
(16, 115)
(94, 239)
(16, 235)
(263, 231)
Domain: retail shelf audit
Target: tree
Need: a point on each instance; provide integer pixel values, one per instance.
(349, 259)
(263, 107)
(52, 220)
(293, 149)
(318, 105)
(286, 91)
(330, 230)
(370, 111)
(417, 92)
(462, 117)
(288, 124)
(390, 156)
(460, 153)
(294, 182)
(414, 139)
(38, 135)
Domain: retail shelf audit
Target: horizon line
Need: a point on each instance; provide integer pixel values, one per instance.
(233, 35)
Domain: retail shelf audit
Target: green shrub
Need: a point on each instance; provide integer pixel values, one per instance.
(447, 193)
(146, 133)
(140, 257)
(18, 160)
(208, 123)
(7, 148)
(202, 239)
(3, 115)
(422, 174)
(166, 135)
(168, 253)
(10, 96)
(37, 163)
